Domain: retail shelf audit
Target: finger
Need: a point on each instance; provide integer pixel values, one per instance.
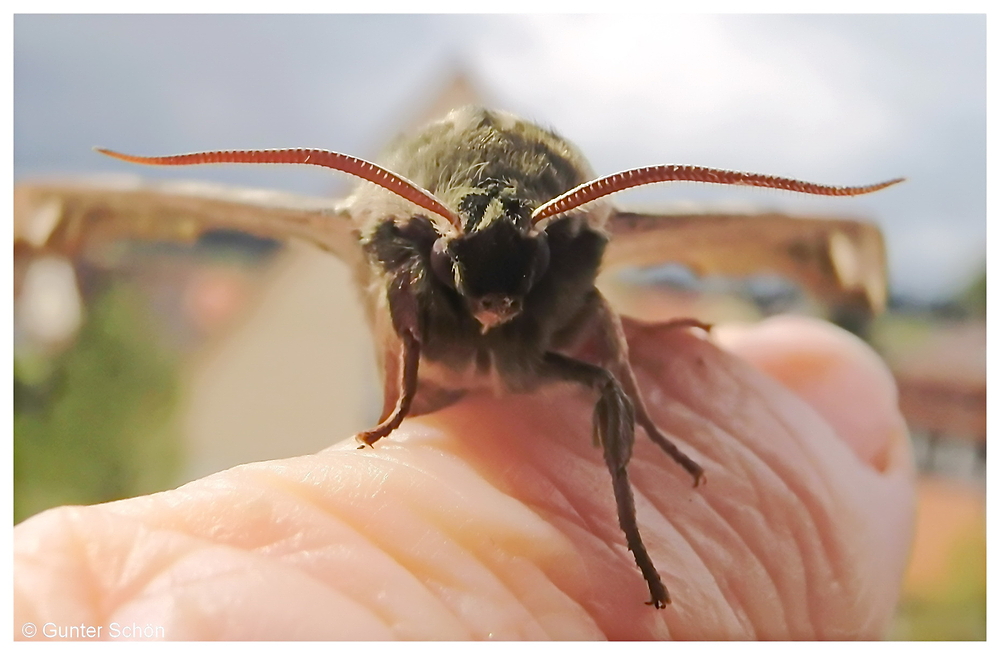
(833, 371)
(404, 541)
(492, 519)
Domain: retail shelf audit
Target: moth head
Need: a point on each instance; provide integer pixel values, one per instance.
(495, 261)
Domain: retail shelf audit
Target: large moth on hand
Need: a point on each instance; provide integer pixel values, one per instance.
(477, 244)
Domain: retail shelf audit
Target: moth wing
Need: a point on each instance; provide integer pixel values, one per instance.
(67, 216)
(841, 262)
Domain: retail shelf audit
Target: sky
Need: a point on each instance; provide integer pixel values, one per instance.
(843, 100)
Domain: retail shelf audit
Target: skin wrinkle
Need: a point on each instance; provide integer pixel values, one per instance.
(173, 582)
(271, 476)
(516, 476)
(722, 582)
(605, 549)
(763, 547)
(750, 456)
(565, 593)
(798, 493)
(519, 588)
(106, 604)
(440, 479)
(690, 416)
(572, 611)
(776, 569)
(91, 583)
(292, 568)
(438, 586)
(503, 484)
(563, 520)
(468, 547)
(589, 526)
(729, 591)
(378, 546)
(838, 577)
(142, 583)
(557, 474)
(797, 506)
(677, 530)
(604, 533)
(814, 568)
(826, 498)
(160, 573)
(611, 542)
(304, 559)
(756, 523)
(528, 625)
(301, 492)
(565, 507)
(79, 555)
(668, 409)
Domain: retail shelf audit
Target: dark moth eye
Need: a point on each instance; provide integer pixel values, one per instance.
(443, 263)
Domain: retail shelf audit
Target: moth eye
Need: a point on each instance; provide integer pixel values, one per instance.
(443, 263)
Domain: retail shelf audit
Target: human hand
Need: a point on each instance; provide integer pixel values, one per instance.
(495, 518)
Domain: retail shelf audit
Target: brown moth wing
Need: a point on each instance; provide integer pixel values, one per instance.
(841, 262)
(65, 217)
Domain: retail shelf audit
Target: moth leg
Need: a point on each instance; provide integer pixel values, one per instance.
(615, 348)
(404, 314)
(614, 428)
(408, 365)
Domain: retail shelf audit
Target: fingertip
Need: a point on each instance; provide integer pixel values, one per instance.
(838, 374)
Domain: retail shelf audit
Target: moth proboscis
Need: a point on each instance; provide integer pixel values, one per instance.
(478, 241)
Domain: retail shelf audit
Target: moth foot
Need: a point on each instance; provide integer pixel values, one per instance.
(367, 438)
(659, 596)
(693, 468)
(698, 474)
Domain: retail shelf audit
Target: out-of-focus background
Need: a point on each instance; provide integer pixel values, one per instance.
(141, 366)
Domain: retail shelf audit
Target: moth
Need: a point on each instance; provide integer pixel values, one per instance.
(477, 244)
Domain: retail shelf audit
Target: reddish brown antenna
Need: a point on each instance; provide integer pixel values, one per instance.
(366, 170)
(595, 189)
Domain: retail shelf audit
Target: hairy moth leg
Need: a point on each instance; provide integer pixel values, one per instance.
(614, 428)
(614, 349)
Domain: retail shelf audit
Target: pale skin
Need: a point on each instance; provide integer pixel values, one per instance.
(494, 518)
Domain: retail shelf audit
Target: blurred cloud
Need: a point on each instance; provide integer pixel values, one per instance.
(833, 99)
